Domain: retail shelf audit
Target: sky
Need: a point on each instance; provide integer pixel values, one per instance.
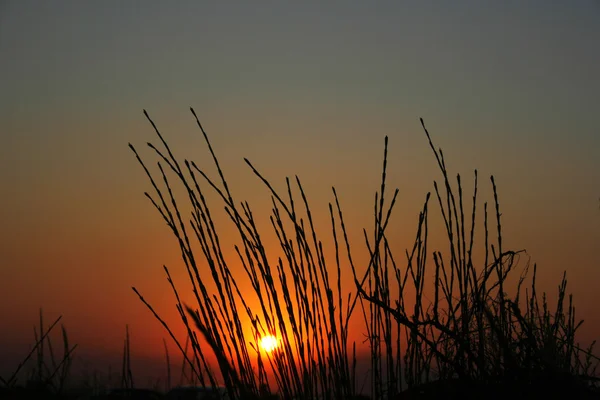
(300, 88)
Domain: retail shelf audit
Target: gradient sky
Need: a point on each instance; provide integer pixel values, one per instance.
(510, 88)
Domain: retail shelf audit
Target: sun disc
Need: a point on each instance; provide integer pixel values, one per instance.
(268, 343)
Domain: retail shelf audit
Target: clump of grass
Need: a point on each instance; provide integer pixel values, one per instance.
(296, 294)
(48, 371)
(44, 373)
(473, 331)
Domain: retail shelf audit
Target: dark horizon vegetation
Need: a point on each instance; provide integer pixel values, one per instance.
(459, 321)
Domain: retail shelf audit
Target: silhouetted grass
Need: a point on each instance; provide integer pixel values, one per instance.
(44, 375)
(296, 295)
(45, 370)
(472, 331)
(473, 339)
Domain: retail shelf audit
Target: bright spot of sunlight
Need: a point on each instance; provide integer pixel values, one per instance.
(268, 343)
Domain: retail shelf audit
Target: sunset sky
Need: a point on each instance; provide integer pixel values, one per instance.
(299, 88)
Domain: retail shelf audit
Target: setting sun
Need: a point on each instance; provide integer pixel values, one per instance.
(268, 343)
